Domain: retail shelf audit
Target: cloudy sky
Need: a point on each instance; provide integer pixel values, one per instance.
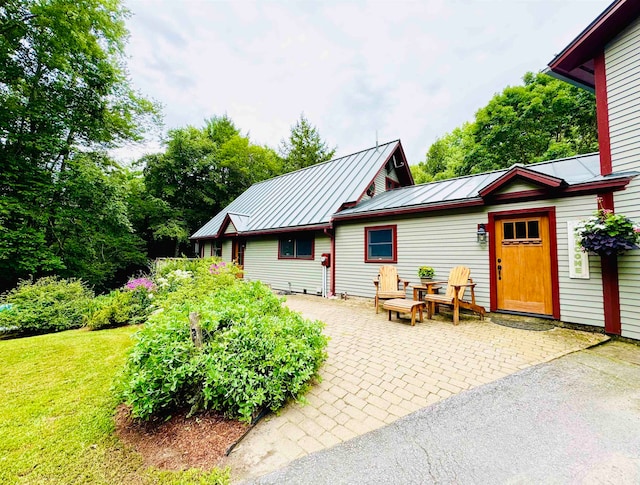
(403, 69)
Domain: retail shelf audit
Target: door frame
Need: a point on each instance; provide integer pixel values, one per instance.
(550, 213)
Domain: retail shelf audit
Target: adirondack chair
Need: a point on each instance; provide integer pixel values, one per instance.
(387, 284)
(456, 285)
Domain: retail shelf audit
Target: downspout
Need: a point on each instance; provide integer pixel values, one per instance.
(332, 286)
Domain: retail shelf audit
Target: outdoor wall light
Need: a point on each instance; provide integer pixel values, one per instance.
(481, 234)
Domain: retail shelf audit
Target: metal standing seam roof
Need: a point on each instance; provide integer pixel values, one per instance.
(306, 197)
(574, 170)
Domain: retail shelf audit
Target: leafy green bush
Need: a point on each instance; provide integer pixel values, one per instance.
(119, 308)
(256, 352)
(46, 305)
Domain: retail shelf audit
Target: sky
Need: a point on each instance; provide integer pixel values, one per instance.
(359, 71)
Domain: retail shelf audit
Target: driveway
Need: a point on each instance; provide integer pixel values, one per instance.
(380, 371)
(574, 420)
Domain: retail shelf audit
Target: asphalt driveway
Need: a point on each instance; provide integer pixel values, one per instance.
(380, 371)
(572, 420)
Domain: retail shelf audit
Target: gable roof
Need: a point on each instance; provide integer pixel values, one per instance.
(306, 198)
(575, 63)
(568, 175)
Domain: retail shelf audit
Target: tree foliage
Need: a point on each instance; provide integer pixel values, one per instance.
(543, 119)
(200, 173)
(64, 93)
(304, 147)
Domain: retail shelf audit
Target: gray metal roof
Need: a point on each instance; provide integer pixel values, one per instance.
(306, 197)
(575, 170)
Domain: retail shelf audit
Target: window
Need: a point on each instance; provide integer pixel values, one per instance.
(300, 247)
(521, 232)
(391, 184)
(216, 249)
(380, 244)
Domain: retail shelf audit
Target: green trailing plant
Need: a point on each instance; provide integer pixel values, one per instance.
(46, 305)
(256, 353)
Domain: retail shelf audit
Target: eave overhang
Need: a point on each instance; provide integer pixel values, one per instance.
(547, 182)
(575, 62)
(553, 190)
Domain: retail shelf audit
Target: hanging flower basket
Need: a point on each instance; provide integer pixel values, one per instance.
(608, 234)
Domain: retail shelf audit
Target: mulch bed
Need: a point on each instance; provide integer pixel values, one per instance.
(180, 443)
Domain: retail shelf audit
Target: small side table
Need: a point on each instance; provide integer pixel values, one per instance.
(426, 289)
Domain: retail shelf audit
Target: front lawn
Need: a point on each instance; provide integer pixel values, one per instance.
(56, 412)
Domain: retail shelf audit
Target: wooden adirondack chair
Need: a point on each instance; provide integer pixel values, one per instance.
(387, 284)
(456, 285)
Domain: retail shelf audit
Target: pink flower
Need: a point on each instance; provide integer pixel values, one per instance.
(217, 268)
(140, 283)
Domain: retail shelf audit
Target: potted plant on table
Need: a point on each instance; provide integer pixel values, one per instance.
(608, 234)
(426, 273)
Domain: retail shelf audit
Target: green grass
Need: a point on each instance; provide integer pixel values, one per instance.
(57, 408)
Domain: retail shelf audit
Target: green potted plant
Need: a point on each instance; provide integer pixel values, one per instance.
(425, 273)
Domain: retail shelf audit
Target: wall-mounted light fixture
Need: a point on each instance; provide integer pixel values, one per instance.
(481, 234)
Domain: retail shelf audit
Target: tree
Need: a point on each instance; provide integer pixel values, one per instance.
(445, 156)
(63, 91)
(200, 173)
(542, 120)
(304, 147)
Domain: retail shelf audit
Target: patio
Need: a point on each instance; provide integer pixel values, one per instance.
(379, 371)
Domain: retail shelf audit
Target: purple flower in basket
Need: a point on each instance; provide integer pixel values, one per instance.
(608, 234)
(133, 285)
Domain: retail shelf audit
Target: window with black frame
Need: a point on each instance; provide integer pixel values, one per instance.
(296, 247)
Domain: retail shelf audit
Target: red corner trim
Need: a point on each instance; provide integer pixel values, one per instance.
(610, 283)
(602, 114)
(537, 178)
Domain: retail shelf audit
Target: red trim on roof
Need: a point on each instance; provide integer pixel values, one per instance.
(602, 114)
(523, 173)
(612, 185)
(573, 61)
(403, 172)
(411, 210)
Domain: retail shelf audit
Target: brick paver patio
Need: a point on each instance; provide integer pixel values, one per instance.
(379, 371)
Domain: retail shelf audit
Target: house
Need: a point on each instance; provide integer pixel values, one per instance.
(279, 229)
(605, 58)
(363, 210)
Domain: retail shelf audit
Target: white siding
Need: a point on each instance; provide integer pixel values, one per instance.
(226, 249)
(622, 59)
(231, 229)
(381, 181)
(518, 186)
(261, 263)
(448, 239)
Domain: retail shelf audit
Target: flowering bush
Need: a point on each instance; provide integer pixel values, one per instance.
(173, 279)
(607, 234)
(217, 268)
(133, 285)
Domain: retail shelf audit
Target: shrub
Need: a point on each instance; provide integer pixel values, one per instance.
(256, 353)
(46, 305)
(119, 308)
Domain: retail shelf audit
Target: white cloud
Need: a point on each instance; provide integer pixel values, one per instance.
(410, 70)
